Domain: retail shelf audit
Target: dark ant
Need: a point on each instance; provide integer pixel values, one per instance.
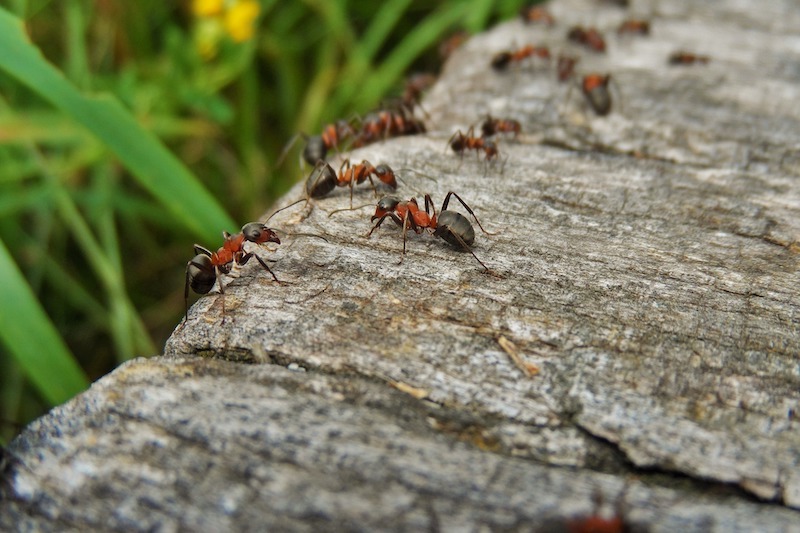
(460, 142)
(565, 67)
(493, 125)
(634, 27)
(206, 268)
(687, 58)
(451, 226)
(502, 60)
(531, 14)
(595, 89)
(589, 37)
(323, 179)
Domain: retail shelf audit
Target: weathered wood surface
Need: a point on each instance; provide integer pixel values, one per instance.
(645, 264)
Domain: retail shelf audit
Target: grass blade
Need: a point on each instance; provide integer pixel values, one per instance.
(33, 340)
(157, 170)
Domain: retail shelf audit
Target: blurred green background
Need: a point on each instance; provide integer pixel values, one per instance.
(130, 130)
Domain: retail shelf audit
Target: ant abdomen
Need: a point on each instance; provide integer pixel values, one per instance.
(321, 181)
(451, 226)
(201, 274)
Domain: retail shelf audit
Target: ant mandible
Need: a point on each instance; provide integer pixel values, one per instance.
(207, 267)
(451, 226)
(323, 179)
(461, 142)
(502, 60)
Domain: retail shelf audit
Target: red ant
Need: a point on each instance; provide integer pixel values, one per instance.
(452, 43)
(460, 142)
(416, 84)
(502, 60)
(634, 27)
(589, 37)
(323, 179)
(332, 136)
(531, 14)
(492, 125)
(387, 123)
(317, 146)
(596, 522)
(207, 267)
(565, 67)
(595, 89)
(451, 226)
(687, 58)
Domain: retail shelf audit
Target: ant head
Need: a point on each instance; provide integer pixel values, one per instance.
(386, 175)
(200, 273)
(386, 205)
(315, 149)
(321, 181)
(259, 233)
(501, 60)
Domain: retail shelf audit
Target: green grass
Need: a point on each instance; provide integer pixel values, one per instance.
(121, 145)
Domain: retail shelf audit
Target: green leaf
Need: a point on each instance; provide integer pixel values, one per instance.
(157, 170)
(33, 340)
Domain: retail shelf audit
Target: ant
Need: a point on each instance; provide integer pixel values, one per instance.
(492, 125)
(502, 60)
(332, 136)
(317, 146)
(460, 142)
(452, 43)
(415, 85)
(589, 37)
(387, 123)
(207, 267)
(595, 89)
(634, 27)
(323, 179)
(531, 14)
(565, 67)
(596, 522)
(451, 226)
(687, 58)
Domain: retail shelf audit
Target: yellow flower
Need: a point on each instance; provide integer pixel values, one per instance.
(240, 19)
(207, 8)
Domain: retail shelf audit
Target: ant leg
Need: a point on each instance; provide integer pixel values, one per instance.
(198, 250)
(393, 216)
(263, 264)
(429, 205)
(186, 293)
(406, 218)
(467, 248)
(447, 201)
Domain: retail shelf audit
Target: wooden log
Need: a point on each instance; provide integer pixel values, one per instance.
(637, 335)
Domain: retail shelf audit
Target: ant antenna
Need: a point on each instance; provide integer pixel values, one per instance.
(286, 207)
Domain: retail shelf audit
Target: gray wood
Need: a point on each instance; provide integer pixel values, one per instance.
(637, 336)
